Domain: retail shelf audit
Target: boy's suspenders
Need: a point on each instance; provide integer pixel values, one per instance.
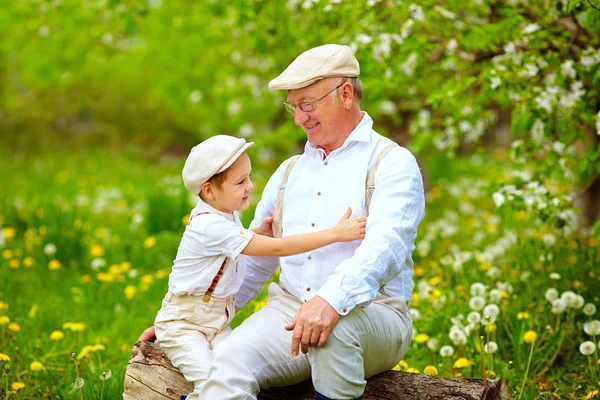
(215, 280)
(369, 187)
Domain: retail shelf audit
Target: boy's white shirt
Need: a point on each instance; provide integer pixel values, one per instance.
(207, 240)
(317, 194)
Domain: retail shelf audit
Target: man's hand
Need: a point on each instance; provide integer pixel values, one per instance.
(265, 228)
(148, 335)
(312, 324)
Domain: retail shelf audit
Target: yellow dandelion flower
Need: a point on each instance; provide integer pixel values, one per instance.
(4, 320)
(57, 335)
(485, 266)
(435, 193)
(100, 232)
(592, 242)
(462, 363)
(577, 284)
(490, 328)
(125, 348)
(98, 347)
(530, 337)
(33, 311)
(39, 213)
(422, 338)
(412, 370)
(14, 263)
(114, 269)
(185, 220)
(6, 254)
(149, 242)
(16, 386)
(78, 327)
(84, 352)
(10, 233)
(67, 325)
(592, 394)
(96, 250)
(29, 262)
(147, 279)
(430, 370)
(36, 366)
(162, 273)
(87, 278)
(42, 230)
(54, 265)
(3, 306)
(436, 294)
(130, 292)
(419, 271)
(435, 280)
(4, 357)
(490, 374)
(15, 327)
(523, 315)
(402, 365)
(125, 266)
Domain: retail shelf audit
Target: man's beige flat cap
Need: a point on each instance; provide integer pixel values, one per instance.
(315, 64)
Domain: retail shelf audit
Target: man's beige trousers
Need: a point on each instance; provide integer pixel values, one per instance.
(257, 354)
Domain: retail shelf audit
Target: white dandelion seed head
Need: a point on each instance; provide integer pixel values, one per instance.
(558, 306)
(579, 301)
(458, 337)
(433, 344)
(474, 317)
(587, 348)
(106, 375)
(494, 272)
(79, 382)
(447, 351)
(490, 347)
(551, 294)
(589, 309)
(569, 297)
(415, 314)
(491, 310)
(476, 303)
(592, 328)
(50, 249)
(477, 289)
(488, 319)
(495, 295)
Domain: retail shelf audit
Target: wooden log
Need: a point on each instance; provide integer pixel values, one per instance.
(150, 376)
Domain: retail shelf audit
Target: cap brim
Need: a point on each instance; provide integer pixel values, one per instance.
(235, 156)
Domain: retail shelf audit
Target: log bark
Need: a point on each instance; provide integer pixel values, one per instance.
(150, 376)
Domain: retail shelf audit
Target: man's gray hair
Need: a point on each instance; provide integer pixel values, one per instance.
(357, 85)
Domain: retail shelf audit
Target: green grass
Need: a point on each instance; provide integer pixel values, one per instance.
(129, 212)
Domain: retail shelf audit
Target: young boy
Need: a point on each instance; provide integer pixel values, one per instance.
(210, 264)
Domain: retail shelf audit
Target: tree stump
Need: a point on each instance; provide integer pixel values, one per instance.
(150, 376)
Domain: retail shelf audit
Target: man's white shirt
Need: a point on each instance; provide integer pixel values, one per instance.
(207, 240)
(318, 192)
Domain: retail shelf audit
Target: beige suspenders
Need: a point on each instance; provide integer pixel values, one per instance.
(369, 187)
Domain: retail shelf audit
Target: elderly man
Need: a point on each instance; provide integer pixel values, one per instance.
(340, 314)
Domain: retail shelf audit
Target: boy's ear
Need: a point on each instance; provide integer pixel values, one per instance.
(207, 191)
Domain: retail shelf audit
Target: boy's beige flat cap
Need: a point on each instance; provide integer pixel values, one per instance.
(210, 157)
(315, 64)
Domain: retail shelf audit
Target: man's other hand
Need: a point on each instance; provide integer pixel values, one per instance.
(312, 324)
(148, 335)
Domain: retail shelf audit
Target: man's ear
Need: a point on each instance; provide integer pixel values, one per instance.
(347, 94)
(207, 191)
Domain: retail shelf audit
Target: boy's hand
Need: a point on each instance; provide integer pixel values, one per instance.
(265, 228)
(348, 229)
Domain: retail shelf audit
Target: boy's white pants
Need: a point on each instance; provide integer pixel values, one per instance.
(257, 354)
(188, 329)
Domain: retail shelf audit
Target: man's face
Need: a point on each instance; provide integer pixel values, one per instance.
(319, 124)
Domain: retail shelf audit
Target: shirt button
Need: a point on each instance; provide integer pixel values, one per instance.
(309, 257)
(241, 232)
(318, 193)
(344, 310)
(326, 163)
(308, 289)
(312, 224)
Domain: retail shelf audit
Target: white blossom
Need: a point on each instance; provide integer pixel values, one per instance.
(415, 314)
(555, 276)
(50, 249)
(195, 96)
(433, 344)
(387, 107)
(569, 297)
(478, 289)
(558, 306)
(551, 294)
(474, 317)
(567, 69)
(457, 336)
(444, 13)
(499, 199)
(417, 12)
(451, 46)
(476, 303)
(531, 28)
(495, 295)
(491, 310)
(495, 82)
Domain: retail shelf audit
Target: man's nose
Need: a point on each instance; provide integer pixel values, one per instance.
(300, 116)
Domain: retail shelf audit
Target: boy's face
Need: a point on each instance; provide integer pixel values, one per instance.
(234, 191)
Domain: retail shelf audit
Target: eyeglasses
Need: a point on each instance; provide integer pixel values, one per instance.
(308, 106)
